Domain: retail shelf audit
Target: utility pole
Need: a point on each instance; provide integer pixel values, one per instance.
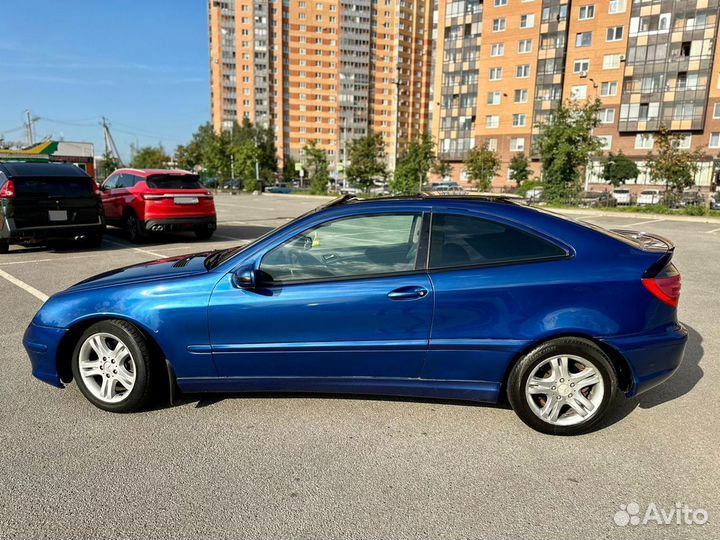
(345, 152)
(398, 82)
(110, 146)
(29, 127)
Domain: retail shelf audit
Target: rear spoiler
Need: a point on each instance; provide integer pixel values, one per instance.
(647, 241)
(651, 243)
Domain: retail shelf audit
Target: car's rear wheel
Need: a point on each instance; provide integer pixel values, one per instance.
(4, 247)
(112, 366)
(133, 228)
(203, 233)
(563, 387)
(93, 240)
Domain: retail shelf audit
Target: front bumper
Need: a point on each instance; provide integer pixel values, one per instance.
(42, 344)
(653, 357)
(181, 224)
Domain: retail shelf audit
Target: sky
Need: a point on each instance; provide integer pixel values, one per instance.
(143, 64)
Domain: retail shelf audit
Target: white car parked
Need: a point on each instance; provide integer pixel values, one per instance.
(649, 196)
(622, 196)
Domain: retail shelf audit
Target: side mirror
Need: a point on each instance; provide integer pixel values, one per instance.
(245, 278)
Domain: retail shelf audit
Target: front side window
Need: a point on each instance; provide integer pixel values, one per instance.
(458, 241)
(347, 248)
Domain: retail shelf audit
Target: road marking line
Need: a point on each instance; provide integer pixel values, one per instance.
(139, 250)
(642, 222)
(713, 231)
(28, 288)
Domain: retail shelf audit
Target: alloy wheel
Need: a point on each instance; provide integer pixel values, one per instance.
(565, 390)
(107, 367)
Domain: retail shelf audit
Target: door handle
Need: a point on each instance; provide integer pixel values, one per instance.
(408, 293)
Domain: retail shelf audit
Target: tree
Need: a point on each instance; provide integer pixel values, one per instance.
(413, 166)
(618, 169)
(318, 166)
(150, 157)
(245, 156)
(289, 173)
(671, 165)
(520, 168)
(367, 161)
(565, 144)
(482, 165)
(108, 164)
(442, 168)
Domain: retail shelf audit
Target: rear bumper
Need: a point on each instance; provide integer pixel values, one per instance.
(653, 357)
(15, 234)
(180, 224)
(41, 344)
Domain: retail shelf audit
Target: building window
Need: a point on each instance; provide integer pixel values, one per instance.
(527, 21)
(583, 39)
(578, 92)
(586, 13)
(615, 33)
(611, 61)
(497, 49)
(500, 3)
(608, 89)
(714, 140)
(607, 116)
(525, 46)
(523, 72)
(517, 144)
(492, 144)
(521, 96)
(684, 141)
(496, 73)
(605, 141)
(581, 66)
(716, 111)
(617, 6)
(644, 141)
(492, 121)
(499, 25)
(519, 120)
(494, 98)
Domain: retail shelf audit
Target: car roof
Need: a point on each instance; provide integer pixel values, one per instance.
(29, 169)
(151, 172)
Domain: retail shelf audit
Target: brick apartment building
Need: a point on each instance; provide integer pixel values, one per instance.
(469, 71)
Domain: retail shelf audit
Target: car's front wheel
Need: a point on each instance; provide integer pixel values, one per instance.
(203, 233)
(563, 387)
(112, 366)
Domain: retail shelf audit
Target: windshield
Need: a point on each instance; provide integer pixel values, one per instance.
(174, 181)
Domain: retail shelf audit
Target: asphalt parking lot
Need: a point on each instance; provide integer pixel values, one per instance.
(321, 467)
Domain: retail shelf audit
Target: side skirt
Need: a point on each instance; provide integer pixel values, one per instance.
(421, 388)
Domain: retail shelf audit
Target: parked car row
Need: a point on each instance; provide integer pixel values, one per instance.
(40, 202)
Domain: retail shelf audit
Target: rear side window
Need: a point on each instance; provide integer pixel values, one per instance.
(55, 186)
(469, 241)
(174, 181)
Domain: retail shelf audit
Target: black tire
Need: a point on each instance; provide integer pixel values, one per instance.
(133, 228)
(145, 375)
(4, 247)
(203, 233)
(523, 369)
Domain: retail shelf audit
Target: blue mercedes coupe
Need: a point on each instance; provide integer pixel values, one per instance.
(468, 298)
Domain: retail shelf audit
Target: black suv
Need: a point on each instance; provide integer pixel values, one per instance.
(47, 201)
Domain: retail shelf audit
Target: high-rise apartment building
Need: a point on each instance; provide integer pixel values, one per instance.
(469, 71)
(323, 70)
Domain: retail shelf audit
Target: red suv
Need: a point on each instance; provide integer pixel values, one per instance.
(157, 200)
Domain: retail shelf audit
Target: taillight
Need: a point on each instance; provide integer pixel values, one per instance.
(8, 190)
(665, 286)
(147, 197)
(96, 190)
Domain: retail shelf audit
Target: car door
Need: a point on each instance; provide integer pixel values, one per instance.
(347, 297)
(488, 278)
(108, 201)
